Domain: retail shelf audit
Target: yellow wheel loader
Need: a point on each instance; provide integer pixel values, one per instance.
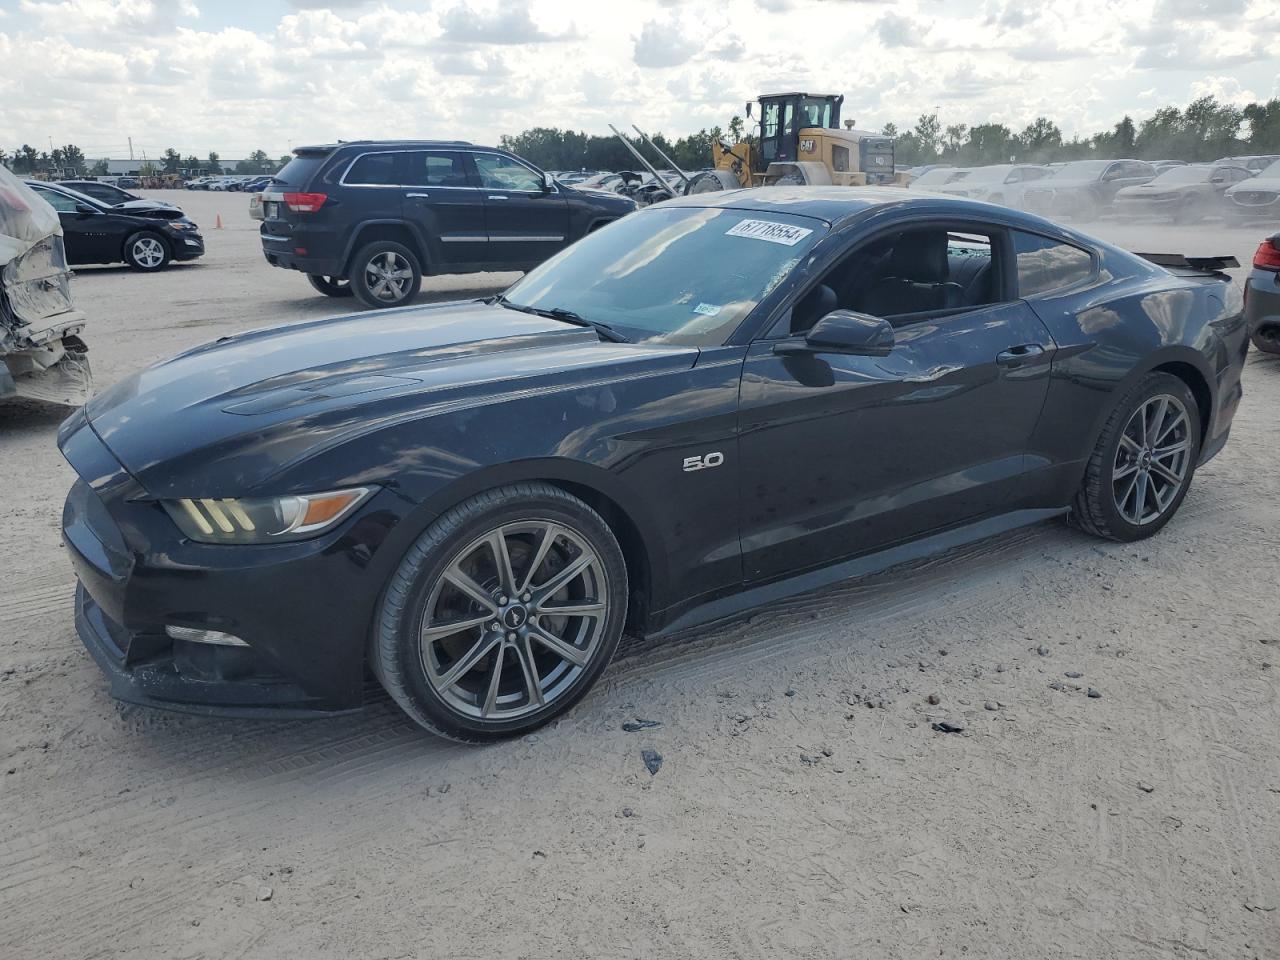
(800, 142)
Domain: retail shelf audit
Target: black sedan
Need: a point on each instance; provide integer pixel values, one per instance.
(146, 238)
(709, 405)
(112, 195)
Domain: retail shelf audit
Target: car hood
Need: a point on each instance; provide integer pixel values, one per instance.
(228, 417)
(1158, 189)
(149, 208)
(1073, 184)
(1267, 185)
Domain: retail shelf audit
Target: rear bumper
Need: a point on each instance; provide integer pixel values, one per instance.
(321, 256)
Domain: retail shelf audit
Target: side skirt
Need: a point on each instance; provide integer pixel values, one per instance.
(726, 607)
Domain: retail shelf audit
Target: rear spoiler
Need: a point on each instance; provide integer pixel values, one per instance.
(1178, 261)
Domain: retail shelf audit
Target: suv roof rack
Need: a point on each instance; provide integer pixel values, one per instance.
(362, 143)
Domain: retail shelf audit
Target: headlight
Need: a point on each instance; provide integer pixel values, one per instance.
(263, 519)
(183, 225)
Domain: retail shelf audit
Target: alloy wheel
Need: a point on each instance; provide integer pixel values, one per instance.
(514, 620)
(148, 252)
(388, 276)
(1152, 460)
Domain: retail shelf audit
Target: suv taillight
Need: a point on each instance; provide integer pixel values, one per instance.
(305, 202)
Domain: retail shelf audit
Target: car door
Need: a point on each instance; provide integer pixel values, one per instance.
(526, 216)
(443, 200)
(1125, 173)
(842, 454)
(82, 229)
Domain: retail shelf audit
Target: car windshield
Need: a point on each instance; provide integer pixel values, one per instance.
(1272, 172)
(1184, 175)
(984, 174)
(686, 275)
(936, 178)
(1082, 170)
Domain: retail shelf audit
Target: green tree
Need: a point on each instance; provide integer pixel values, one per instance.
(1264, 126)
(988, 143)
(214, 166)
(928, 131)
(889, 130)
(171, 160)
(25, 159)
(99, 168)
(955, 137)
(1040, 140)
(191, 163)
(736, 126)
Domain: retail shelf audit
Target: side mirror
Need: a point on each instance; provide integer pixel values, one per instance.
(749, 108)
(844, 331)
(84, 210)
(546, 183)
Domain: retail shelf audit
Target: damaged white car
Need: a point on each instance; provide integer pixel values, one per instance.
(41, 354)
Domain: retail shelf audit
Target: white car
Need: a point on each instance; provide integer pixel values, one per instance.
(1257, 198)
(1002, 183)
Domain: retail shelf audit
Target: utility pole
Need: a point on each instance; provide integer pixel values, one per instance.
(130, 148)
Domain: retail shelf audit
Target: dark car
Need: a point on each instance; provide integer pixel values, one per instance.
(1185, 194)
(1255, 199)
(1085, 189)
(708, 405)
(112, 195)
(1262, 296)
(371, 218)
(146, 238)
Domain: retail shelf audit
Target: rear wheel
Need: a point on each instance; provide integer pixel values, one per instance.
(1193, 210)
(1142, 465)
(503, 614)
(385, 274)
(147, 251)
(330, 286)
(712, 181)
(1267, 339)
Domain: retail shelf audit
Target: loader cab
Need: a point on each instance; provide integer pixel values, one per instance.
(784, 115)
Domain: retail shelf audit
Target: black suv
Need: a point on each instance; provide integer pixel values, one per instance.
(371, 217)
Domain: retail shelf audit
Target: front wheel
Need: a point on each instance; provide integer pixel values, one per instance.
(502, 615)
(330, 286)
(1143, 462)
(1266, 339)
(385, 274)
(146, 251)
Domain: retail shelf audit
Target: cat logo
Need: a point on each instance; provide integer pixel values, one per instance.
(704, 462)
(807, 145)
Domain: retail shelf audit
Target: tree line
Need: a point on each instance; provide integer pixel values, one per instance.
(26, 160)
(1204, 130)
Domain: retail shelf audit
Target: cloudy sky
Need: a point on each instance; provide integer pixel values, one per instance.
(233, 75)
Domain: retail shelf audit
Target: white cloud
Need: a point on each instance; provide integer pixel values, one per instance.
(233, 75)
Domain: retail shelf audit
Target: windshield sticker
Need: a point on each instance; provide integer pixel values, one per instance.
(768, 230)
(707, 309)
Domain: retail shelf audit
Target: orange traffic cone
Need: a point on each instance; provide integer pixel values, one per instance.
(218, 224)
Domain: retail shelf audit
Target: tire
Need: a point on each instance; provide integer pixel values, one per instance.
(1088, 210)
(389, 261)
(1266, 339)
(447, 683)
(330, 286)
(1193, 211)
(713, 181)
(147, 251)
(1111, 505)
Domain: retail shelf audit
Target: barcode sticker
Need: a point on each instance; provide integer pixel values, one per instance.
(768, 230)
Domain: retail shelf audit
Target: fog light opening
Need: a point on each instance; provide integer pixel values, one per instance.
(215, 637)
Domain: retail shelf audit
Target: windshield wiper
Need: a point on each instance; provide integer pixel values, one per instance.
(568, 316)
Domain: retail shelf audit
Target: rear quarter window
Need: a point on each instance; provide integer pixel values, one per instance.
(1046, 265)
(299, 171)
(374, 170)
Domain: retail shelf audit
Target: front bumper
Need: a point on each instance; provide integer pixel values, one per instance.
(1244, 206)
(187, 246)
(304, 608)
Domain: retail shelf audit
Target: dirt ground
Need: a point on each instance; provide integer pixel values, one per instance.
(804, 807)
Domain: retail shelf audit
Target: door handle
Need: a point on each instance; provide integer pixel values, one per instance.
(418, 196)
(498, 196)
(1022, 353)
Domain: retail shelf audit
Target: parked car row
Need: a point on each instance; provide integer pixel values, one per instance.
(236, 184)
(1238, 189)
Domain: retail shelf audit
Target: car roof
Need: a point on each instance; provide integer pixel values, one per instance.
(835, 205)
(331, 147)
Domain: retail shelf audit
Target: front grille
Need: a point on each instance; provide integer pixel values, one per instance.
(1254, 197)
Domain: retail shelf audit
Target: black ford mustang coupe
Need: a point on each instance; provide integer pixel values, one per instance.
(704, 406)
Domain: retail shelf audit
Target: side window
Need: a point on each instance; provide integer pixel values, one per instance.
(373, 170)
(502, 173)
(59, 201)
(1045, 265)
(902, 275)
(770, 121)
(437, 168)
(840, 159)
